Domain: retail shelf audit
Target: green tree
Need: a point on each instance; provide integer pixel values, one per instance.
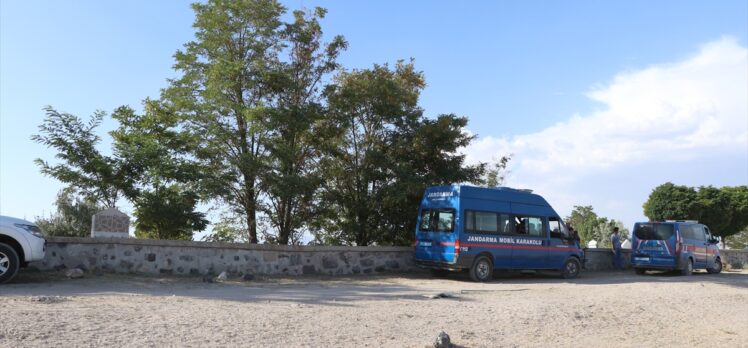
(168, 213)
(228, 230)
(739, 201)
(586, 222)
(83, 167)
(166, 186)
(496, 171)
(295, 126)
(223, 92)
(713, 207)
(670, 202)
(420, 156)
(72, 217)
(723, 210)
(384, 154)
(590, 226)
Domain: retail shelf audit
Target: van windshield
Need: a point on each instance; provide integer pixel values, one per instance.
(653, 231)
(437, 220)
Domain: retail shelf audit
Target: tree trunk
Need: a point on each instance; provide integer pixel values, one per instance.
(250, 208)
(252, 224)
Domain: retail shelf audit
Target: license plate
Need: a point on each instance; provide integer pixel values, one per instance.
(424, 244)
(642, 259)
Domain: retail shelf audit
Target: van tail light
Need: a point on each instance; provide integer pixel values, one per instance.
(457, 248)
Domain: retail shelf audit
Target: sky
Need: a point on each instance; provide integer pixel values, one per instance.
(599, 101)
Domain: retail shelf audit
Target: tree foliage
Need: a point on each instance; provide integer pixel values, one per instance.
(670, 201)
(262, 121)
(223, 92)
(724, 210)
(590, 226)
(168, 213)
(82, 166)
(296, 125)
(384, 154)
(496, 171)
(72, 217)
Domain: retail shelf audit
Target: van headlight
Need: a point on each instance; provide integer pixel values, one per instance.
(33, 229)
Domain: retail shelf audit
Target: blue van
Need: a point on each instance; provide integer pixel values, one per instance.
(674, 245)
(483, 229)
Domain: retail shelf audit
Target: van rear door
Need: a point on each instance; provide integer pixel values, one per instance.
(435, 238)
(655, 244)
(697, 245)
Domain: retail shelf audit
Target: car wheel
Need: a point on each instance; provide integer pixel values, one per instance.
(688, 269)
(571, 269)
(482, 270)
(9, 263)
(640, 270)
(716, 268)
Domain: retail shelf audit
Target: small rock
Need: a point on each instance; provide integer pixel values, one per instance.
(248, 277)
(74, 273)
(47, 299)
(222, 277)
(440, 295)
(442, 341)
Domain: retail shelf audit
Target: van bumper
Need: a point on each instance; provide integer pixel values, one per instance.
(440, 265)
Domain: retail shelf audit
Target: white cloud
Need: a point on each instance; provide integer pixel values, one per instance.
(681, 111)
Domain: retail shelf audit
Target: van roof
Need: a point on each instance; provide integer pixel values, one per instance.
(493, 193)
(671, 222)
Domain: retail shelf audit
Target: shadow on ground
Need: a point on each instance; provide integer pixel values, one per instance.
(333, 291)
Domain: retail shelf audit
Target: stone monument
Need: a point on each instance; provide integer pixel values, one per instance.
(110, 223)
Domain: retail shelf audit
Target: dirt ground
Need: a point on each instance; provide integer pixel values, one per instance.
(616, 309)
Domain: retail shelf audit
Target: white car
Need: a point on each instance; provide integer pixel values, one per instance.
(21, 242)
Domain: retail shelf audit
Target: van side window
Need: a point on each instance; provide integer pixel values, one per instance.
(486, 222)
(469, 220)
(506, 225)
(557, 229)
(528, 226)
(425, 220)
(708, 234)
(700, 233)
(686, 232)
(437, 220)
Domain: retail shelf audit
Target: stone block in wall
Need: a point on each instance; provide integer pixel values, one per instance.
(110, 223)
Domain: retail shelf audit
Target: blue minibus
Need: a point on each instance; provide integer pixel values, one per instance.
(485, 229)
(674, 245)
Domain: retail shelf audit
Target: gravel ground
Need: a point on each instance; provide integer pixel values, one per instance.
(617, 309)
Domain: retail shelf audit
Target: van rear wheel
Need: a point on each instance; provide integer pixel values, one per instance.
(482, 270)
(688, 268)
(571, 269)
(9, 263)
(716, 268)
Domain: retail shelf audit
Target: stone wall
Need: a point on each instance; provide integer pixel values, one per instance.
(199, 258)
(735, 257)
(602, 259)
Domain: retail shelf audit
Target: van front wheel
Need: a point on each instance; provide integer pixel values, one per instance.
(571, 269)
(716, 268)
(688, 268)
(482, 270)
